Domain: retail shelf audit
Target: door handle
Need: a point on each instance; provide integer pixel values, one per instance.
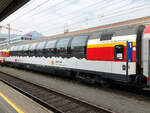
(123, 67)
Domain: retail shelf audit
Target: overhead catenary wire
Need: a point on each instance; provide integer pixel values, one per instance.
(79, 23)
(76, 17)
(37, 13)
(61, 15)
(50, 7)
(12, 29)
(109, 16)
(59, 9)
(80, 10)
(29, 11)
(76, 21)
(79, 15)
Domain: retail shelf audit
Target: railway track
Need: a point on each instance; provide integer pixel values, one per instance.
(53, 100)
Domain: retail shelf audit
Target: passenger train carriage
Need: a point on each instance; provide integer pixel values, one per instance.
(117, 54)
(3, 55)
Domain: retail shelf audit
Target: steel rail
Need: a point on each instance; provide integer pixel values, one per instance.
(56, 101)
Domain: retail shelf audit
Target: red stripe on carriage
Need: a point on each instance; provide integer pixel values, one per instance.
(147, 30)
(103, 54)
(106, 54)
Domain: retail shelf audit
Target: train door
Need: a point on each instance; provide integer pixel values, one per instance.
(148, 78)
(131, 58)
(124, 60)
(146, 54)
(146, 60)
(119, 66)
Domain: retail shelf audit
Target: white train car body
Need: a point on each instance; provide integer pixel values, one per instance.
(119, 54)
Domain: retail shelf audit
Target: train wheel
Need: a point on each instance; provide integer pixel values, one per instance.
(140, 81)
(83, 77)
(106, 83)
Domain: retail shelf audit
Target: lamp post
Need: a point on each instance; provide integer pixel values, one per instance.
(9, 35)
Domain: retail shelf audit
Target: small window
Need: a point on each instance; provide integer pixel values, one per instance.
(106, 37)
(119, 52)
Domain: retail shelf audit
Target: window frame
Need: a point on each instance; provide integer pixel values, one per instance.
(82, 54)
(48, 52)
(12, 51)
(20, 53)
(62, 53)
(40, 51)
(32, 49)
(26, 50)
(15, 51)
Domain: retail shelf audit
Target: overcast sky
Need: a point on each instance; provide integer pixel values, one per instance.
(50, 16)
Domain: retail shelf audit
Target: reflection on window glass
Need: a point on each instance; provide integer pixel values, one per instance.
(12, 48)
(33, 46)
(41, 45)
(62, 45)
(26, 47)
(78, 44)
(20, 47)
(50, 44)
(50, 47)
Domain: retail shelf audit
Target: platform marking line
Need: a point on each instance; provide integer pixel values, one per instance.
(8, 105)
(11, 103)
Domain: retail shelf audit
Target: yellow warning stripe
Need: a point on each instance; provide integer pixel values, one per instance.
(5, 51)
(109, 44)
(11, 103)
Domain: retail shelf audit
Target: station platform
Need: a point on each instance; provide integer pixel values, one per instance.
(12, 101)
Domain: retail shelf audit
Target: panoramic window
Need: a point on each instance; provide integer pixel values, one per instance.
(50, 48)
(40, 49)
(15, 51)
(26, 50)
(33, 46)
(12, 51)
(32, 50)
(62, 45)
(20, 50)
(40, 45)
(78, 45)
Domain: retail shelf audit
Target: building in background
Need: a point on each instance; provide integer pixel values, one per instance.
(2, 39)
(15, 40)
